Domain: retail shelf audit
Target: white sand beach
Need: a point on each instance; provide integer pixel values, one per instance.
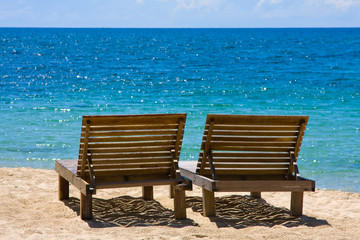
(30, 209)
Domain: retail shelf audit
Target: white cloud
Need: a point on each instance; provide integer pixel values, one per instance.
(304, 8)
(13, 10)
(270, 2)
(198, 4)
(180, 13)
(343, 5)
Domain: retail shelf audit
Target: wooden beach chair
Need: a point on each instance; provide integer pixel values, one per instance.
(126, 151)
(254, 154)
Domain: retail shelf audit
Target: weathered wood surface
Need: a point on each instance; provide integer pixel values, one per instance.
(122, 148)
(86, 206)
(65, 169)
(63, 188)
(179, 204)
(242, 153)
(208, 201)
(148, 192)
(197, 179)
(250, 145)
(248, 185)
(126, 151)
(296, 205)
(255, 194)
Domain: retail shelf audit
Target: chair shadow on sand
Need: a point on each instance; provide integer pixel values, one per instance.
(244, 211)
(127, 211)
(231, 211)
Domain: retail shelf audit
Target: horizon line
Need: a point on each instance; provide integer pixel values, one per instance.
(182, 27)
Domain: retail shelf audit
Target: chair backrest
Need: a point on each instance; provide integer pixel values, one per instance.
(130, 147)
(250, 147)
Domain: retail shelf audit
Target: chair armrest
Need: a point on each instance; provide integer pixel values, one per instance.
(185, 184)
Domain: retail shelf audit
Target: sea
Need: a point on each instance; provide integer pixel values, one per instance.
(51, 77)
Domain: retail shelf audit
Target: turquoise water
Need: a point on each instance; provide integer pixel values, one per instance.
(49, 78)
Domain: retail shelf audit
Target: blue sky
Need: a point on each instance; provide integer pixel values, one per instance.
(180, 13)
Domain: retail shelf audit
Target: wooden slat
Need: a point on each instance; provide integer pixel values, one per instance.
(256, 127)
(128, 139)
(130, 149)
(250, 159)
(135, 171)
(128, 174)
(131, 155)
(254, 142)
(254, 149)
(128, 166)
(131, 160)
(263, 158)
(255, 171)
(133, 164)
(131, 133)
(130, 144)
(253, 139)
(132, 179)
(240, 166)
(256, 119)
(252, 133)
(132, 127)
(264, 186)
(248, 177)
(248, 154)
(132, 119)
(215, 144)
(135, 183)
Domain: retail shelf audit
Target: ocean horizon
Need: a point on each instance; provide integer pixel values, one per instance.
(51, 77)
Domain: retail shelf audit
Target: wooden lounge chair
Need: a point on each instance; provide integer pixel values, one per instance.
(126, 151)
(254, 154)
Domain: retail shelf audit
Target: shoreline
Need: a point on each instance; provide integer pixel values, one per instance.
(30, 209)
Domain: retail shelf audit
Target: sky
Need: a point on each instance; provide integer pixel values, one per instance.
(180, 13)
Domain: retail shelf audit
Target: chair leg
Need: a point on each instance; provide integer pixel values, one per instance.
(172, 191)
(208, 203)
(63, 188)
(296, 205)
(179, 204)
(148, 192)
(86, 206)
(255, 194)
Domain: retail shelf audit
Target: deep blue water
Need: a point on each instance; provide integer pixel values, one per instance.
(49, 78)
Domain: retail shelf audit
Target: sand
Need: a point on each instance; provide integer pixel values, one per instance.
(30, 209)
